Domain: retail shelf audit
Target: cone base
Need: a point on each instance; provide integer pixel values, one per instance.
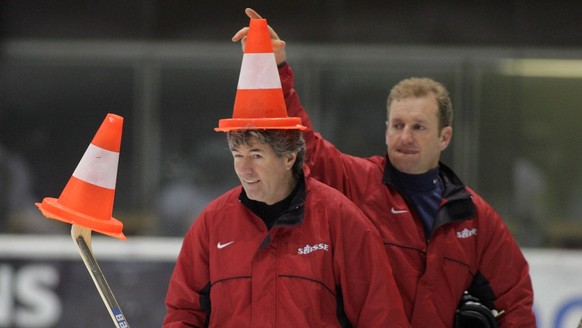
(287, 123)
(51, 208)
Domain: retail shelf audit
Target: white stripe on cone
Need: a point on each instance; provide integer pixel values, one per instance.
(98, 167)
(259, 71)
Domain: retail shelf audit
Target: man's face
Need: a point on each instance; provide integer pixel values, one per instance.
(264, 176)
(413, 137)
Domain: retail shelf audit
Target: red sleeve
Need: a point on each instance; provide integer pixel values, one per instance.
(506, 270)
(190, 277)
(326, 163)
(294, 106)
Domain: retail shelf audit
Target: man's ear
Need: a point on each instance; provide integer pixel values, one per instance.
(290, 159)
(446, 136)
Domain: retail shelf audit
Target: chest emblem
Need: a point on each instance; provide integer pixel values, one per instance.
(466, 233)
(394, 210)
(312, 248)
(221, 246)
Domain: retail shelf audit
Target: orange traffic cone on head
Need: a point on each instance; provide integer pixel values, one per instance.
(259, 102)
(87, 199)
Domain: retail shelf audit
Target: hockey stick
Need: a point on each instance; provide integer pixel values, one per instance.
(82, 238)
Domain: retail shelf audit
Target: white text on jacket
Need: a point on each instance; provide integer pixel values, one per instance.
(308, 248)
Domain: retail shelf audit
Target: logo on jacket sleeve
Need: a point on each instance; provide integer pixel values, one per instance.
(312, 248)
(466, 233)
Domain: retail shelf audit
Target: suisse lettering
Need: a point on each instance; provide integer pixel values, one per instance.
(308, 248)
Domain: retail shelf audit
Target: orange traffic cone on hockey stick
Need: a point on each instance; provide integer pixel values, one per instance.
(87, 203)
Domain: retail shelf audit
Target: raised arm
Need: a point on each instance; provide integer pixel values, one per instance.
(326, 162)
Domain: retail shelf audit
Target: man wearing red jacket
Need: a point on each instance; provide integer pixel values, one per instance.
(441, 237)
(282, 249)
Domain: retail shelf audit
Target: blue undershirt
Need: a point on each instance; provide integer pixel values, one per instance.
(425, 192)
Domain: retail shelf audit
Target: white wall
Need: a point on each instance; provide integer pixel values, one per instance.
(557, 281)
(47, 266)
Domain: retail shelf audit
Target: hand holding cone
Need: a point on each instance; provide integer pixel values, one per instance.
(276, 42)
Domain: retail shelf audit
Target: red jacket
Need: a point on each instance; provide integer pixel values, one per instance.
(469, 240)
(319, 254)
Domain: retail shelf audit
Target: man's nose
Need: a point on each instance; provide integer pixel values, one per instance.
(245, 165)
(407, 135)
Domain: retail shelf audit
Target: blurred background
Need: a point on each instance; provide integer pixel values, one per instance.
(514, 69)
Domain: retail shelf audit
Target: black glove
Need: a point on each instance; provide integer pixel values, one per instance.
(472, 314)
